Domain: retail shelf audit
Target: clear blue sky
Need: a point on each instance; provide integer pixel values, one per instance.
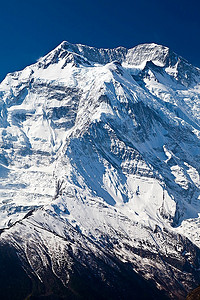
(30, 29)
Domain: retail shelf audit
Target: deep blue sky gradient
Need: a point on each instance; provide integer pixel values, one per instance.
(30, 29)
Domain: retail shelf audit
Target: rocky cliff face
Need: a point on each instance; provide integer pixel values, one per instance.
(99, 174)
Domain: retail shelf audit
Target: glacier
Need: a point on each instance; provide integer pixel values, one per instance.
(99, 167)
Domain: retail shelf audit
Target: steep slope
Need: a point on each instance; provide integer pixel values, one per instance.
(100, 170)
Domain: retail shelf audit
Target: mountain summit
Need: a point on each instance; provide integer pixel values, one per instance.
(99, 175)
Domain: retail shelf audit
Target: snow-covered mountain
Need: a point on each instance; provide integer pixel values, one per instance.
(99, 175)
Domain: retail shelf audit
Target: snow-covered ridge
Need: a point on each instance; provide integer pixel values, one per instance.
(133, 56)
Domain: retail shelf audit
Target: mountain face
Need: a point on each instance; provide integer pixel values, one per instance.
(99, 175)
